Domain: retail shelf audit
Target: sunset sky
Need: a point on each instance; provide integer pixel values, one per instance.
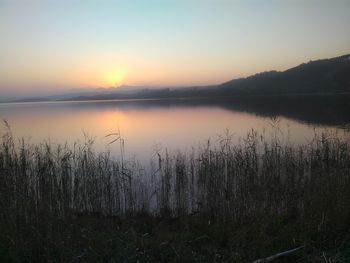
(50, 46)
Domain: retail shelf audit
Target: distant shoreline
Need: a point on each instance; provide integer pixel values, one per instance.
(315, 78)
(245, 96)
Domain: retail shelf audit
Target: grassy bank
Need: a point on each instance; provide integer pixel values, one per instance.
(231, 202)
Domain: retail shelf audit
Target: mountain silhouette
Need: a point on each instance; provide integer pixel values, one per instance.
(321, 76)
(324, 76)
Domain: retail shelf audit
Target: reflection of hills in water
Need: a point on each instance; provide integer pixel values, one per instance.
(333, 110)
(320, 110)
(317, 110)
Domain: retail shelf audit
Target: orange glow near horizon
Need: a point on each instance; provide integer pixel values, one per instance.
(113, 77)
(51, 48)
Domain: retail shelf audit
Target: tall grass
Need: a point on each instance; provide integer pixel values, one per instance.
(257, 178)
(227, 181)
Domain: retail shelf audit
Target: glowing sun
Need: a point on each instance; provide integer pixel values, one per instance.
(114, 77)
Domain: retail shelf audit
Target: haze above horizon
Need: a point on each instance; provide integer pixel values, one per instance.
(53, 46)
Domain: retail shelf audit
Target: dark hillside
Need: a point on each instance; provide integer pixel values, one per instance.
(321, 76)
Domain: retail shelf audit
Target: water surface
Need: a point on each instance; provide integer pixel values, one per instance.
(152, 125)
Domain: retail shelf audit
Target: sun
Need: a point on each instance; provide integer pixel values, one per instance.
(113, 77)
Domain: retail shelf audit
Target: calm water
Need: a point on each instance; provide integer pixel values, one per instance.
(148, 126)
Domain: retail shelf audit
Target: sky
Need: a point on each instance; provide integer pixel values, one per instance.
(53, 46)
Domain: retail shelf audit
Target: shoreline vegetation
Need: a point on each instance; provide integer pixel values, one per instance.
(223, 203)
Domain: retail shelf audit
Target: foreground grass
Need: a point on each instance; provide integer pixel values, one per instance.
(150, 239)
(232, 203)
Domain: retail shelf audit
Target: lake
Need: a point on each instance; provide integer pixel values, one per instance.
(148, 126)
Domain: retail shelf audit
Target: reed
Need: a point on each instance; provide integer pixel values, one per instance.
(42, 187)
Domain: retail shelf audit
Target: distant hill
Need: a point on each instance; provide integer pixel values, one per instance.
(325, 76)
(321, 76)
